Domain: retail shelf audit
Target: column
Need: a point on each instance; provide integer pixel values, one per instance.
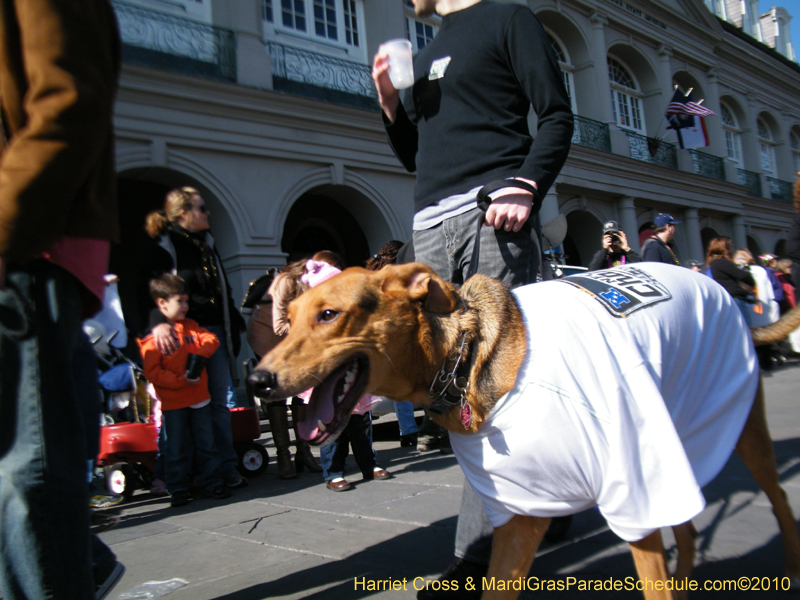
(694, 241)
(627, 220)
(739, 232)
(714, 124)
(665, 72)
(549, 210)
(598, 51)
(253, 64)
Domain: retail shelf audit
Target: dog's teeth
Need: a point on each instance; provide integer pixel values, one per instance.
(350, 376)
(321, 426)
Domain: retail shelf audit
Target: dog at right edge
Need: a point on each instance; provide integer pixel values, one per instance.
(625, 389)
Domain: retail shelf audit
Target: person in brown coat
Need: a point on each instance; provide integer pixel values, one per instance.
(59, 64)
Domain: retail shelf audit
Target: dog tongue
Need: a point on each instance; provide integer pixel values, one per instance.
(319, 408)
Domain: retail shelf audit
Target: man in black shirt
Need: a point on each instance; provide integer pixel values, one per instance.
(463, 125)
(616, 250)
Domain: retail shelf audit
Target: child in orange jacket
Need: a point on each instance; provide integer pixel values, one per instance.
(185, 402)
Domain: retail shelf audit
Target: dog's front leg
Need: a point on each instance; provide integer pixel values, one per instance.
(513, 547)
(651, 565)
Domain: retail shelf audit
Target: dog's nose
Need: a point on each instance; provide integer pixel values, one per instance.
(262, 382)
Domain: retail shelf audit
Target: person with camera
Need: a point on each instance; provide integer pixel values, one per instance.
(615, 251)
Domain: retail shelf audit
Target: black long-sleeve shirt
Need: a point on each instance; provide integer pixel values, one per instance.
(603, 259)
(464, 123)
(728, 275)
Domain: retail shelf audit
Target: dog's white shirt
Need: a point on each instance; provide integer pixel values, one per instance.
(633, 414)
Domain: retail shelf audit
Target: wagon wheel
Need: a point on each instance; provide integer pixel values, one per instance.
(253, 460)
(120, 479)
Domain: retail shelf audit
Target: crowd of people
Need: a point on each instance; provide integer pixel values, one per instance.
(763, 290)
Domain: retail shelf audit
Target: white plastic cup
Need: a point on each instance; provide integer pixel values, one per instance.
(401, 66)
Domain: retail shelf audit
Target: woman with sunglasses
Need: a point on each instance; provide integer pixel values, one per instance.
(184, 246)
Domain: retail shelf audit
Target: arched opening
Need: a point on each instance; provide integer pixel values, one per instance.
(318, 222)
(140, 192)
(584, 233)
(137, 197)
(753, 246)
(646, 231)
(707, 234)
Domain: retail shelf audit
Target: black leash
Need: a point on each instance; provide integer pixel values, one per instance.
(449, 387)
(484, 200)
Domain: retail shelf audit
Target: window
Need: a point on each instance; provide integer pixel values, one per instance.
(626, 100)
(351, 23)
(325, 19)
(767, 146)
(330, 21)
(420, 31)
(733, 134)
(794, 141)
(293, 14)
(566, 68)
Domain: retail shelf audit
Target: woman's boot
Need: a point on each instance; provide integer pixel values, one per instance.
(303, 457)
(279, 424)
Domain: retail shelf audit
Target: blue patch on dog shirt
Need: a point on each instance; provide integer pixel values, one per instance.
(621, 292)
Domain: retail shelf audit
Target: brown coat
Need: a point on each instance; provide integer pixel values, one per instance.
(59, 64)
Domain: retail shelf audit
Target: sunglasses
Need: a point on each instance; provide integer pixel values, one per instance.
(202, 208)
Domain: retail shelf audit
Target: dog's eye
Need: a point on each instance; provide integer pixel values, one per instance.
(327, 316)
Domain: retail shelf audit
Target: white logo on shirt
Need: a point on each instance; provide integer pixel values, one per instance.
(438, 68)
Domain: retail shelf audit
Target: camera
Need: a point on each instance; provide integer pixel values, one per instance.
(615, 239)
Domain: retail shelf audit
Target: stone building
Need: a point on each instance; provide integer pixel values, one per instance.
(267, 107)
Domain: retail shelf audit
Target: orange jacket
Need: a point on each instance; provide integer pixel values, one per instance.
(167, 373)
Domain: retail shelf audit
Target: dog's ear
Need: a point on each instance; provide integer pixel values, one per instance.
(420, 284)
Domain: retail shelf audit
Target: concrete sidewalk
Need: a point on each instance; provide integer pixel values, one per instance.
(296, 539)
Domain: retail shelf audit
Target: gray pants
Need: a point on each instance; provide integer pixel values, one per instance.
(509, 257)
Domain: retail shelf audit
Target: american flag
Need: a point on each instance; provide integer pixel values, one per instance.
(682, 104)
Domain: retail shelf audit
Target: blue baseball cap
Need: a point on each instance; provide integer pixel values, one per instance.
(664, 219)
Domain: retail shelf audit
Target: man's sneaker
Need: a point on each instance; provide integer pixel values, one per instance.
(106, 577)
(181, 498)
(105, 500)
(236, 481)
(459, 571)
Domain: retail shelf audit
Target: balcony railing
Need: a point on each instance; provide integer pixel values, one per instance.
(780, 190)
(592, 134)
(708, 165)
(322, 77)
(750, 180)
(652, 150)
(159, 40)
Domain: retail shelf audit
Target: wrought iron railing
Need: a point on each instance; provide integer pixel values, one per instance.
(707, 165)
(163, 41)
(321, 76)
(780, 190)
(652, 150)
(592, 134)
(750, 180)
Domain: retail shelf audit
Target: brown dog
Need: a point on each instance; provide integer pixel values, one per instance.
(404, 333)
